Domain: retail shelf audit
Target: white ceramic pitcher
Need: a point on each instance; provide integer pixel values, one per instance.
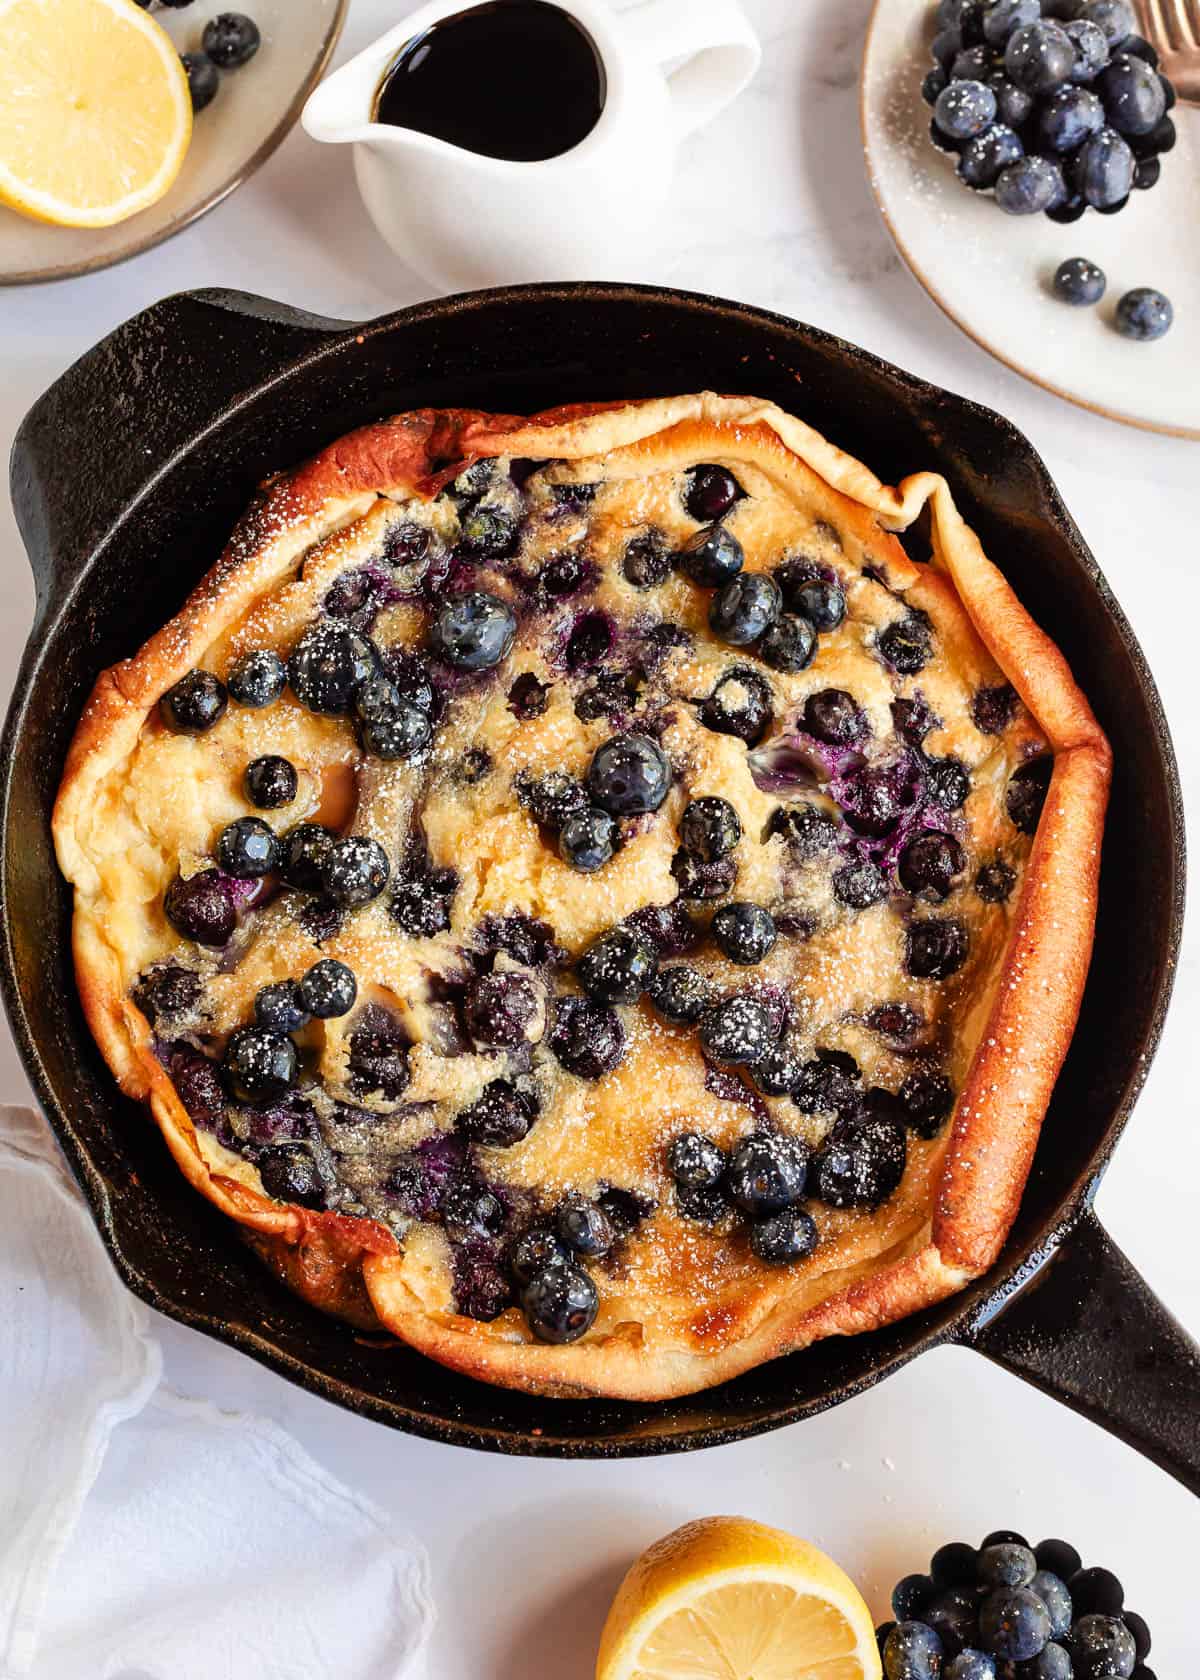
(464, 220)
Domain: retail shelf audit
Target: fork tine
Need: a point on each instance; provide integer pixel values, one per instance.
(1145, 22)
(1160, 31)
(1187, 13)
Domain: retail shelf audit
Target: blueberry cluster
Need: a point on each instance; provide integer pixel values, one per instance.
(261, 1062)
(1009, 1611)
(763, 1179)
(229, 41)
(556, 1293)
(1143, 314)
(1052, 105)
(629, 776)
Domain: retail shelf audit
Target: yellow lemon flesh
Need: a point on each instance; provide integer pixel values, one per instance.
(729, 1599)
(95, 115)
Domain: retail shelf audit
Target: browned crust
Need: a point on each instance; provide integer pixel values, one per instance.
(354, 1268)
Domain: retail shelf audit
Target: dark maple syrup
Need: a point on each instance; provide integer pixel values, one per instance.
(515, 79)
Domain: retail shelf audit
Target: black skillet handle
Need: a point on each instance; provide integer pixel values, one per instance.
(1088, 1330)
(104, 431)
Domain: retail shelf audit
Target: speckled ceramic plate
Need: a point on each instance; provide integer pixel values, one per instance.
(253, 111)
(991, 272)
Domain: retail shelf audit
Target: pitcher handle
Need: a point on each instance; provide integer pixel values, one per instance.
(716, 43)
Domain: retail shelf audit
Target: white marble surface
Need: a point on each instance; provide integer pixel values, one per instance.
(771, 206)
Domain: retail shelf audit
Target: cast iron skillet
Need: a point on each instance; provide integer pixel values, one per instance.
(127, 476)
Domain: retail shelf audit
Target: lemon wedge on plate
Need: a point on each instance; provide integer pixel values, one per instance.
(729, 1599)
(95, 114)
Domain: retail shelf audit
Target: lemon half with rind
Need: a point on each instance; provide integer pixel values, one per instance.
(725, 1598)
(95, 114)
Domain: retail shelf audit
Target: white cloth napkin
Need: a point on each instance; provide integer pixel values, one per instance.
(148, 1537)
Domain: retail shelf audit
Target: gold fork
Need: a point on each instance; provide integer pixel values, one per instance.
(1172, 28)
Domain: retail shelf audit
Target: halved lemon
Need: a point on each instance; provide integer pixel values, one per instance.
(729, 1599)
(95, 114)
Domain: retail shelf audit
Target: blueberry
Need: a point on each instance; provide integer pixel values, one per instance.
(928, 1099)
(912, 1652)
(1059, 1557)
(929, 863)
(975, 64)
(1159, 140)
(859, 885)
(584, 1227)
(712, 557)
(780, 1072)
(737, 1032)
(806, 830)
(489, 533)
(1133, 95)
(1026, 793)
(947, 783)
(695, 1161)
(203, 77)
(1079, 281)
(290, 1175)
(710, 492)
(304, 853)
(935, 948)
(536, 1251)
(270, 782)
(1096, 1592)
(562, 575)
(829, 1083)
(378, 1061)
(740, 704)
(1146, 173)
(1053, 1662)
(881, 1635)
(1001, 17)
(911, 1597)
(1002, 1537)
(247, 849)
(469, 1210)
(473, 632)
(835, 717)
(328, 665)
(1091, 49)
(1114, 17)
(259, 1064)
(1031, 185)
(398, 734)
(329, 989)
(617, 967)
(964, 109)
(934, 82)
(1014, 1624)
(498, 1009)
(954, 1616)
(551, 798)
(1052, 1591)
(200, 908)
(527, 697)
(1014, 106)
(860, 1163)
(820, 601)
(1102, 1646)
(970, 1664)
(745, 933)
(1068, 117)
(194, 704)
(1141, 1633)
(710, 828)
(668, 927)
(499, 1117)
(681, 994)
(1039, 56)
(1138, 47)
(647, 561)
(952, 1565)
(1006, 1564)
(587, 1038)
(783, 1238)
(281, 1007)
(913, 718)
(767, 1173)
(1144, 314)
(945, 48)
(587, 839)
(745, 608)
(629, 774)
(1070, 210)
(231, 39)
(406, 545)
(983, 158)
(706, 1206)
(590, 642)
(356, 871)
(1103, 169)
(560, 1303)
(789, 644)
(166, 991)
(258, 678)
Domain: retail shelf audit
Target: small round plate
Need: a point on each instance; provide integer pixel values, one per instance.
(253, 111)
(991, 272)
